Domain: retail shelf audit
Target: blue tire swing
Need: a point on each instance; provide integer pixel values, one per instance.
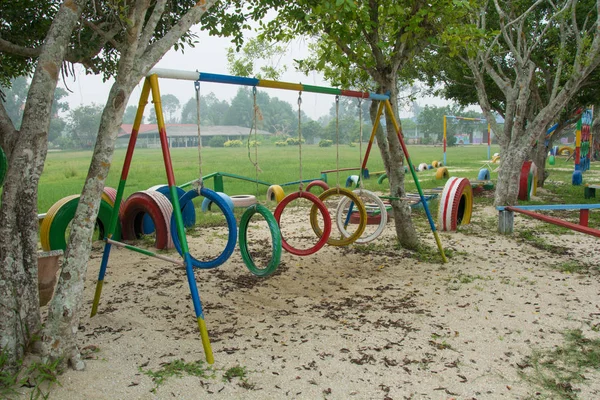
(213, 197)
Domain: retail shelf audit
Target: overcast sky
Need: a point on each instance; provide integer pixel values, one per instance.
(210, 55)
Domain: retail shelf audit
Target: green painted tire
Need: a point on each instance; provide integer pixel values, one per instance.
(3, 166)
(64, 216)
(275, 239)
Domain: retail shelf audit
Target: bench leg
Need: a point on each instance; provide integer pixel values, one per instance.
(584, 215)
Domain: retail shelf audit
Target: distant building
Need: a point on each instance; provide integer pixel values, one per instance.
(182, 135)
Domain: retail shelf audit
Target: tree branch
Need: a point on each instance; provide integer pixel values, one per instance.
(8, 132)
(11, 48)
(148, 31)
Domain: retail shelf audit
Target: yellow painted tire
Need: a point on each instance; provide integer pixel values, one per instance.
(434, 163)
(565, 151)
(275, 193)
(47, 221)
(496, 159)
(442, 173)
(362, 211)
(456, 204)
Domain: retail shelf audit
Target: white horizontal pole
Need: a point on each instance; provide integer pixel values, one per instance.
(175, 74)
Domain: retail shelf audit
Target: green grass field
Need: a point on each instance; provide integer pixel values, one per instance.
(65, 172)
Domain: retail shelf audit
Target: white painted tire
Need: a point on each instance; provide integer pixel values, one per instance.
(422, 167)
(457, 192)
(372, 197)
(243, 200)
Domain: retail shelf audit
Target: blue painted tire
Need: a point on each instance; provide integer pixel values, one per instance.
(232, 237)
(577, 178)
(207, 203)
(484, 174)
(365, 173)
(188, 212)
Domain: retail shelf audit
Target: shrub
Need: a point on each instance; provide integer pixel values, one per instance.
(217, 141)
(233, 143)
(293, 141)
(280, 144)
(254, 143)
(325, 143)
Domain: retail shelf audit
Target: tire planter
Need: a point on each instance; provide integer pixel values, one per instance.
(434, 164)
(456, 204)
(527, 180)
(243, 200)
(58, 218)
(158, 207)
(207, 203)
(326, 218)
(188, 213)
(3, 166)
(442, 173)
(275, 193)
(316, 183)
(422, 167)
(565, 151)
(231, 238)
(275, 240)
(484, 175)
(347, 240)
(379, 219)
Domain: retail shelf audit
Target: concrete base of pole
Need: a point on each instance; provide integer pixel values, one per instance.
(506, 221)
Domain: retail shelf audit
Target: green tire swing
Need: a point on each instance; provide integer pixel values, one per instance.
(275, 193)
(275, 240)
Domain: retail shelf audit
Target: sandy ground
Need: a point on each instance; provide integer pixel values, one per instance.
(357, 322)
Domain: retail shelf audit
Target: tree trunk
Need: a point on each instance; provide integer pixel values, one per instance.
(507, 187)
(26, 151)
(538, 155)
(393, 160)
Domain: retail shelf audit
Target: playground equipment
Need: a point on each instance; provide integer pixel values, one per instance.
(528, 180)
(489, 136)
(456, 204)
(506, 216)
(583, 146)
(177, 227)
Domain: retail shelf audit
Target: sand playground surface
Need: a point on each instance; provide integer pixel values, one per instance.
(356, 322)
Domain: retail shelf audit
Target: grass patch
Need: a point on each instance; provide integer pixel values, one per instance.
(574, 267)
(533, 238)
(556, 371)
(37, 375)
(177, 368)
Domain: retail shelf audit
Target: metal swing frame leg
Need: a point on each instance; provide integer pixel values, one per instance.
(151, 86)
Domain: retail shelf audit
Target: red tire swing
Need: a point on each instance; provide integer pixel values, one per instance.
(304, 195)
(456, 204)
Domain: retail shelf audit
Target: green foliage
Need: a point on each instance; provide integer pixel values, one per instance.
(291, 141)
(281, 143)
(177, 368)
(256, 49)
(325, 143)
(217, 141)
(8, 377)
(233, 143)
(235, 372)
(83, 124)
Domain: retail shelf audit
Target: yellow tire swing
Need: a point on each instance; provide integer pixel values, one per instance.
(344, 240)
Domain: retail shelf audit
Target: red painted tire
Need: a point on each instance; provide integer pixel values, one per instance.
(527, 186)
(324, 213)
(109, 195)
(317, 183)
(158, 207)
(456, 204)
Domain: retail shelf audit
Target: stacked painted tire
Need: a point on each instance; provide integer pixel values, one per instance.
(55, 224)
(456, 204)
(158, 207)
(3, 166)
(528, 181)
(188, 212)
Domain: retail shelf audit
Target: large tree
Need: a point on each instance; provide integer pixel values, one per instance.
(367, 45)
(527, 61)
(124, 42)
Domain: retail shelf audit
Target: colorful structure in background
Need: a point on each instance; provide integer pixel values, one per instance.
(489, 136)
(583, 146)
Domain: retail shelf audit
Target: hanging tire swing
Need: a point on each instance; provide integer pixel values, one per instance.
(317, 183)
(231, 225)
(324, 213)
(158, 207)
(340, 220)
(345, 241)
(55, 224)
(275, 240)
(456, 204)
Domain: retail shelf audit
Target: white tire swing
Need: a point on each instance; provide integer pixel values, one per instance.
(341, 221)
